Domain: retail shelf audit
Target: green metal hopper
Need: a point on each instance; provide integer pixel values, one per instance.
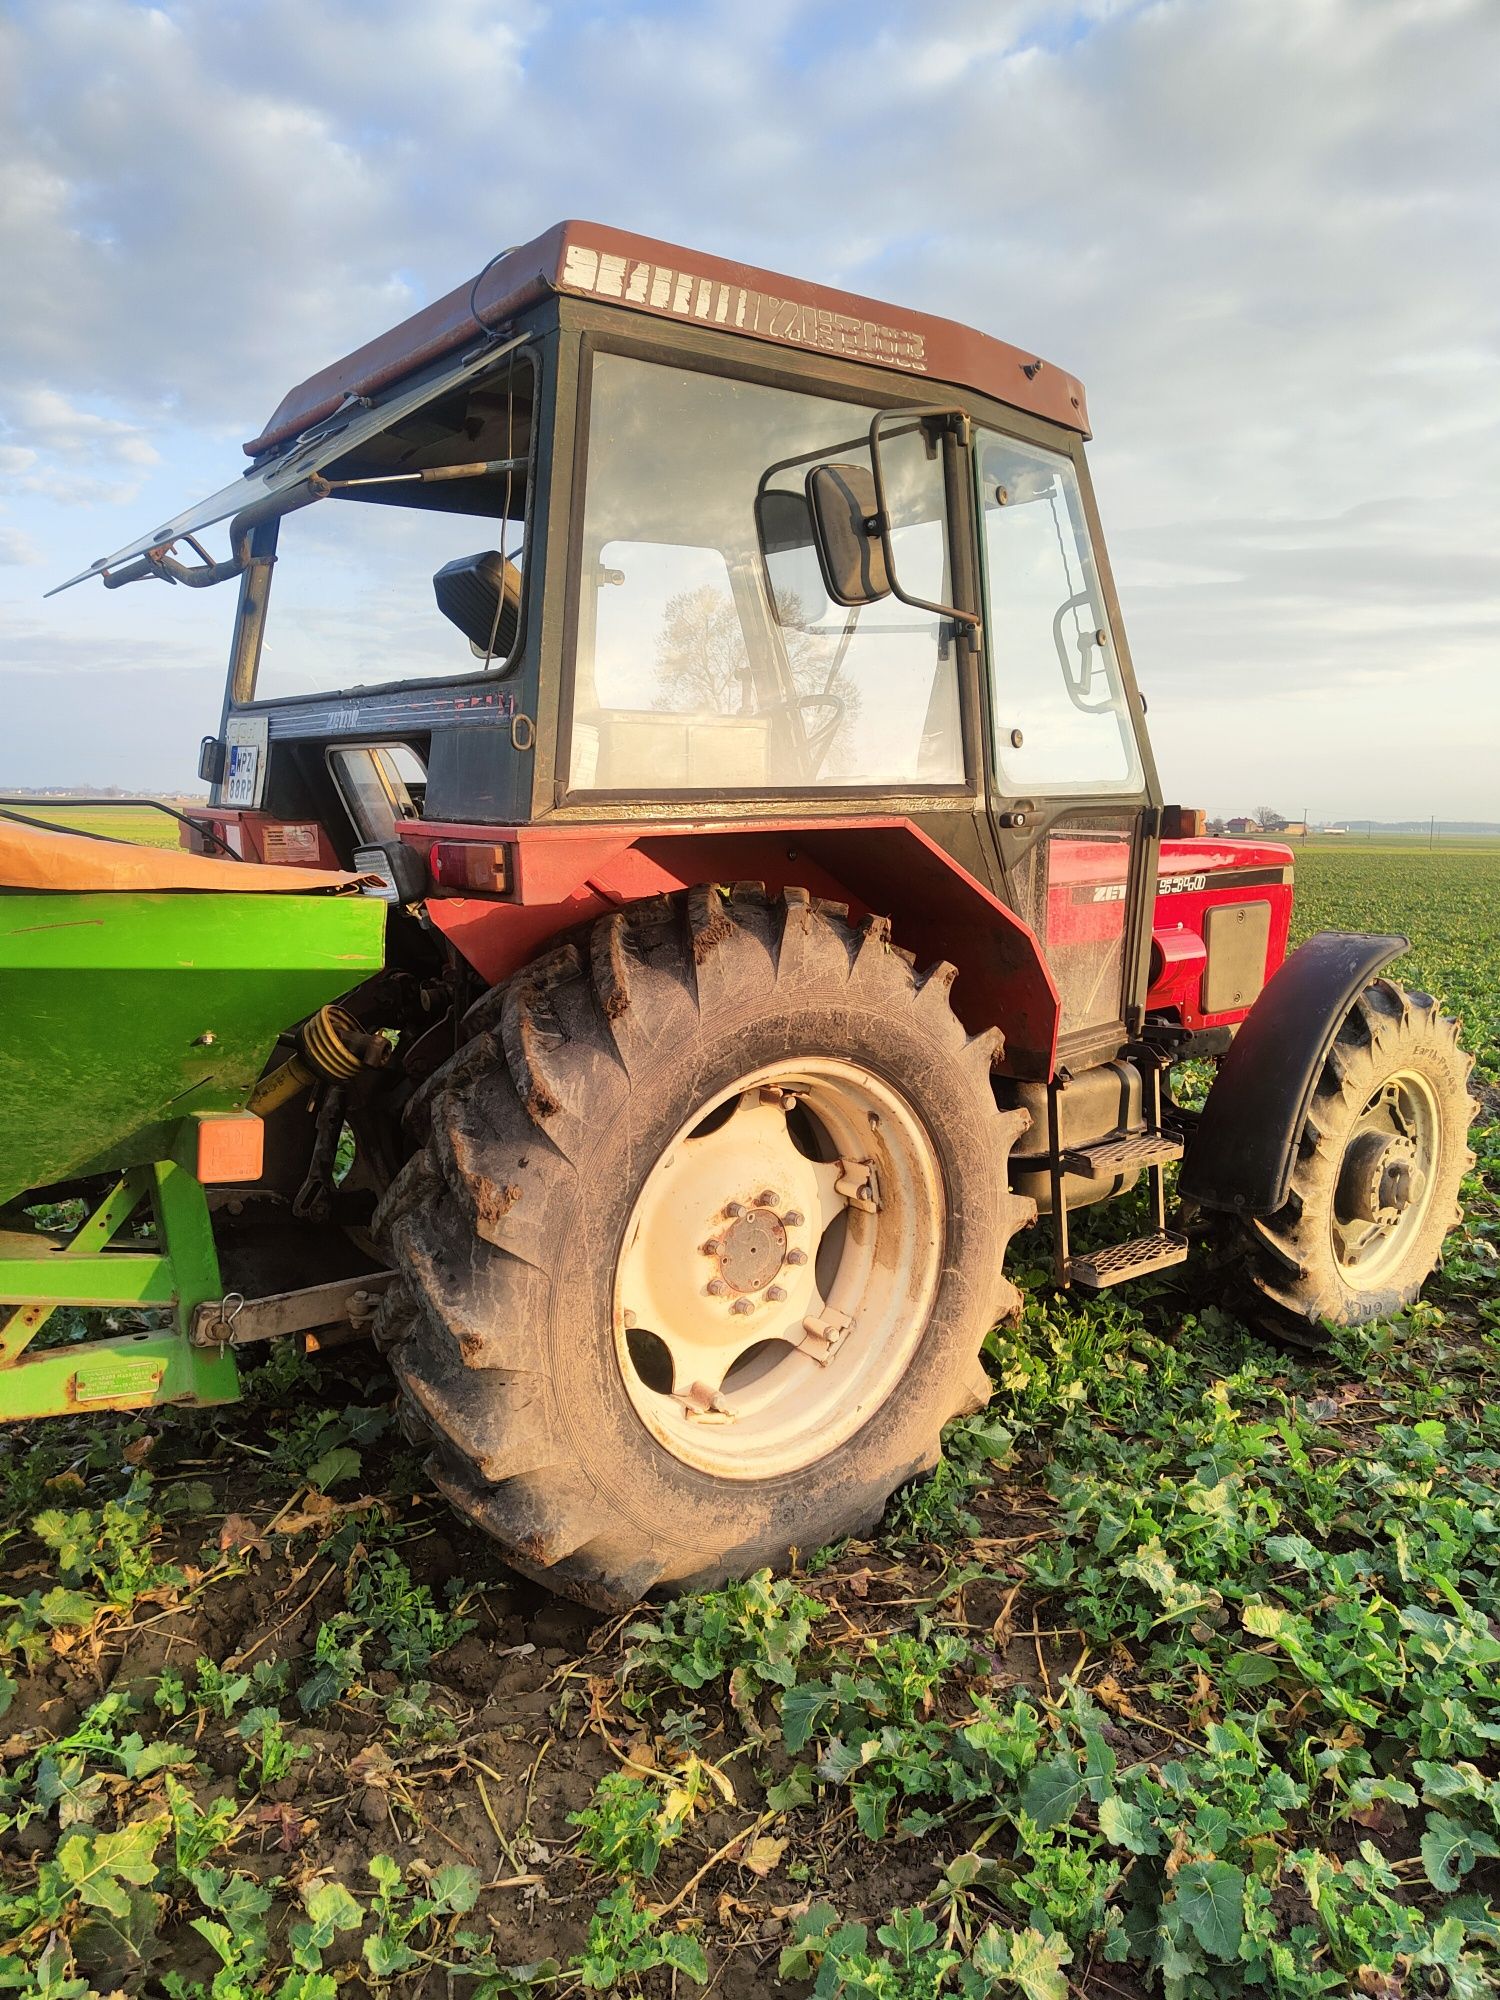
(123, 1013)
(128, 1016)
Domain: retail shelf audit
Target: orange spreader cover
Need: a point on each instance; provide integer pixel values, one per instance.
(36, 857)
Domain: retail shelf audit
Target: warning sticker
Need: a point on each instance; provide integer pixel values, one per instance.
(292, 843)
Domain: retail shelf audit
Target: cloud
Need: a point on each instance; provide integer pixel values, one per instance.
(1264, 231)
(75, 456)
(17, 550)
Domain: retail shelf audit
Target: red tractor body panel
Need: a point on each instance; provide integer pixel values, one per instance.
(1194, 876)
(561, 874)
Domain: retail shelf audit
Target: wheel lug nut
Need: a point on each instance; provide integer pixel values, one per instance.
(775, 1293)
(792, 1219)
(766, 1198)
(742, 1306)
(716, 1288)
(796, 1256)
(712, 1247)
(732, 1209)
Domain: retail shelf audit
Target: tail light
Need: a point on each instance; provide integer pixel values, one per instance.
(481, 867)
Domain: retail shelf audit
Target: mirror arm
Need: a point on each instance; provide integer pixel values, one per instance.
(879, 523)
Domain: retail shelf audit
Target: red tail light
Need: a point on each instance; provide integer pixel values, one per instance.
(481, 867)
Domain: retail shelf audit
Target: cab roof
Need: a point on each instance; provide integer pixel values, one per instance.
(590, 260)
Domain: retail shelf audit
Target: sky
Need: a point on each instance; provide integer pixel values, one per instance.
(1265, 233)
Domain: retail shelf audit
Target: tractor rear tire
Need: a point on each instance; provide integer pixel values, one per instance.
(1375, 1180)
(626, 1368)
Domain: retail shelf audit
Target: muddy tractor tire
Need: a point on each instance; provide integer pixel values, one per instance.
(700, 1244)
(1375, 1179)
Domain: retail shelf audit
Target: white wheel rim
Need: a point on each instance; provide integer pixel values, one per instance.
(731, 1378)
(1385, 1179)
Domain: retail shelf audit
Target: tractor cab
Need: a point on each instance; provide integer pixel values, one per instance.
(620, 531)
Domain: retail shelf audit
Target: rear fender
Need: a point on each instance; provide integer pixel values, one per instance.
(565, 873)
(1241, 1153)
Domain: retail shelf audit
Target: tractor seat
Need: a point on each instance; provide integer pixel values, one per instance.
(37, 857)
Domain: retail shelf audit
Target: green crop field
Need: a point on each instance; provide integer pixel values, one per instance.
(140, 824)
(1181, 1675)
(1447, 901)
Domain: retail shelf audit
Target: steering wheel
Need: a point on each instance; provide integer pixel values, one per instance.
(1078, 676)
(820, 740)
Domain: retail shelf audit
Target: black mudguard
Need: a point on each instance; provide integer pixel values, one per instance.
(1241, 1153)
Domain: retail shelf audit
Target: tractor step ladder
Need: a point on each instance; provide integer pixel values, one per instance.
(1122, 1153)
(1117, 1153)
(1137, 1258)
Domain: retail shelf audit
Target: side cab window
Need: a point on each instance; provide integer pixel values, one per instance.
(1062, 722)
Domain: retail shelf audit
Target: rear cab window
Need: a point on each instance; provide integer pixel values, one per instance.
(709, 655)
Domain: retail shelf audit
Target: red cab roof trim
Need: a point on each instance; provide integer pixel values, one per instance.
(589, 260)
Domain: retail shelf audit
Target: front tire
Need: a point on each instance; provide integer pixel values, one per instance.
(701, 1243)
(1375, 1181)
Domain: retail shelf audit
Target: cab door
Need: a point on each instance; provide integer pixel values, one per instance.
(1074, 798)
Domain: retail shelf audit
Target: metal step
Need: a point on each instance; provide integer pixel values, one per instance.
(1118, 1262)
(1122, 1153)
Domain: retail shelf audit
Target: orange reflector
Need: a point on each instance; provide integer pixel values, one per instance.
(469, 864)
(231, 1147)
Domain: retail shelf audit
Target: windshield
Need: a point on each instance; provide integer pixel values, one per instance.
(709, 655)
(354, 602)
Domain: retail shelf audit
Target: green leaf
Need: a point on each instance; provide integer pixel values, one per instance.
(1210, 1899)
(454, 1888)
(795, 1789)
(339, 1464)
(1053, 1793)
(68, 1607)
(1125, 1825)
(1249, 1670)
(908, 1932)
(1450, 1849)
(1026, 1960)
(386, 1956)
(802, 1707)
(872, 1808)
(685, 1954)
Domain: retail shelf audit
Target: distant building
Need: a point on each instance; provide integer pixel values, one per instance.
(1243, 825)
(1289, 828)
(1334, 829)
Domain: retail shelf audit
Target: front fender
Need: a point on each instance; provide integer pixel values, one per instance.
(1241, 1153)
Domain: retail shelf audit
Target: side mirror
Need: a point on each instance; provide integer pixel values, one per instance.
(481, 595)
(851, 549)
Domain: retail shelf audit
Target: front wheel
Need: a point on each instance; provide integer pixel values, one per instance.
(702, 1242)
(1375, 1180)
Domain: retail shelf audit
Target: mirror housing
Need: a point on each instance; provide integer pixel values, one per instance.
(481, 595)
(847, 535)
(789, 545)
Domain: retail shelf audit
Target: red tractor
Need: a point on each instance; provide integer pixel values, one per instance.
(722, 679)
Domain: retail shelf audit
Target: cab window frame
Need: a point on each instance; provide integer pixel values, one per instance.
(1040, 435)
(726, 356)
(257, 587)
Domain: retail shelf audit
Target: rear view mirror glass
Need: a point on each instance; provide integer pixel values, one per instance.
(481, 595)
(842, 502)
(789, 544)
